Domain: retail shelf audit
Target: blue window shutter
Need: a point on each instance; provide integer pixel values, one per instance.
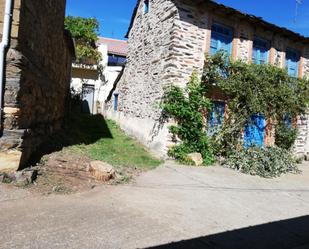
(292, 59)
(260, 51)
(254, 55)
(221, 38)
(213, 46)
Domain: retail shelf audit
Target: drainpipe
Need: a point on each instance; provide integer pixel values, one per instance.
(3, 47)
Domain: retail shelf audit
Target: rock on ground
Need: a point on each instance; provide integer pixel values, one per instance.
(196, 158)
(102, 171)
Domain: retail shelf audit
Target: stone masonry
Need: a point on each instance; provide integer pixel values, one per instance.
(169, 42)
(37, 79)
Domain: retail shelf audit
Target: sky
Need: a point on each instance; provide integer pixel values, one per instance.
(114, 15)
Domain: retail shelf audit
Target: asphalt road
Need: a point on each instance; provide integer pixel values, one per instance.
(170, 207)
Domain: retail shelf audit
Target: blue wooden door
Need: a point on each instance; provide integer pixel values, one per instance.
(255, 131)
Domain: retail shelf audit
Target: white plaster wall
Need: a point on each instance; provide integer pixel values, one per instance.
(103, 85)
(153, 137)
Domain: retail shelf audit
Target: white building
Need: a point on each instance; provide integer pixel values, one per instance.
(95, 83)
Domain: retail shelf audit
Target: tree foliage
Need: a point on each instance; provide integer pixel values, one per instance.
(85, 33)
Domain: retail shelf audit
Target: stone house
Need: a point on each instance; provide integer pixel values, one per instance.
(167, 41)
(94, 83)
(37, 78)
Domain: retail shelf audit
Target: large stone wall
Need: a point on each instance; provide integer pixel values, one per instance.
(37, 80)
(166, 45)
(149, 63)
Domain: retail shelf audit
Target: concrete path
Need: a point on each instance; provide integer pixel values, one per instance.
(170, 207)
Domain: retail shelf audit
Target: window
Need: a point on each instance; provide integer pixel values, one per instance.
(116, 60)
(260, 51)
(116, 100)
(221, 38)
(255, 131)
(146, 6)
(287, 120)
(291, 62)
(216, 117)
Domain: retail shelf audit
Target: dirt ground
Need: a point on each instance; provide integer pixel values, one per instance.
(66, 172)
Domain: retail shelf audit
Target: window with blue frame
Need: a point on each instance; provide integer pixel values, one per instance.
(292, 58)
(116, 101)
(146, 6)
(221, 38)
(116, 60)
(260, 51)
(216, 117)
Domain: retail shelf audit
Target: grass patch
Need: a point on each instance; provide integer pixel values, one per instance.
(118, 149)
(103, 140)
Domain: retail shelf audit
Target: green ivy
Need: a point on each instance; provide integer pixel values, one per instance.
(186, 106)
(254, 89)
(249, 89)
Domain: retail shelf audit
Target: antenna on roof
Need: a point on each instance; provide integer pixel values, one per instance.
(298, 2)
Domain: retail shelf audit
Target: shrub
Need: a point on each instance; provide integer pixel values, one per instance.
(285, 136)
(187, 107)
(265, 162)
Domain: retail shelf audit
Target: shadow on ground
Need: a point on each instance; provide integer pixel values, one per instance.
(285, 234)
(78, 129)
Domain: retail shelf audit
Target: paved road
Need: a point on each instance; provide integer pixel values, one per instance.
(170, 207)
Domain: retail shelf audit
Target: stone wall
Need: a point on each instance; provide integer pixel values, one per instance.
(37, 80)
(150, 62)
(166, 45)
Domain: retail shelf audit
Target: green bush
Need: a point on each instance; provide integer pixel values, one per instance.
(265, 162)
(285, 136)
(187, 107)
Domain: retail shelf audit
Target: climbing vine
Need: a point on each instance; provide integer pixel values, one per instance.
(248, 89)
(253, 89)
(187, 107)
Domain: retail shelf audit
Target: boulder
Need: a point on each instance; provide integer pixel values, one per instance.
(101, 171)
(196, 158)
(25, 177)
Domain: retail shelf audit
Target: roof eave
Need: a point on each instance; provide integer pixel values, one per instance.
(251, 18)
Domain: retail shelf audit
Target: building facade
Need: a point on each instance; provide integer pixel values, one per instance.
(37, 79)
(167, 41)
(95, 83)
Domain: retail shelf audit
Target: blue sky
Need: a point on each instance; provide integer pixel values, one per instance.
(115, 15)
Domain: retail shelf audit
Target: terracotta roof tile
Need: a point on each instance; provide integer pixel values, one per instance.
(117, 47)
